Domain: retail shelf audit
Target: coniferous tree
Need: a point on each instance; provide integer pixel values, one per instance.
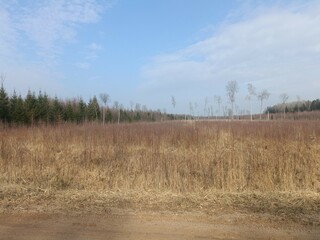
(69, 113)
(93, 109)
(4, 105)
(57, 111)
(315, 105)
(13, 107)
(42, 108)
(20, 110)
(30, 105)
(82, 108)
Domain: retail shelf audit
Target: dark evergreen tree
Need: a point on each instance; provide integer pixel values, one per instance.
(137, 116)
(17, 110)
(82, 109)
(42, 108)
(31, 107)
(315, 105)
(56, 111)
(20, 110)
(4, 105)
(93, 112)
(69, 112)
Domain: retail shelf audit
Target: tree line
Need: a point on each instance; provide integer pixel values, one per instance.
(294, 107)
(43, 109)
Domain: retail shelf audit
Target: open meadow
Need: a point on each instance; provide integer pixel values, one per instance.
(270, 168)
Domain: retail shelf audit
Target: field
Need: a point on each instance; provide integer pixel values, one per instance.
(269, 169)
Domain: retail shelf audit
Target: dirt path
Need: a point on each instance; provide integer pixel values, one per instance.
(145, 226)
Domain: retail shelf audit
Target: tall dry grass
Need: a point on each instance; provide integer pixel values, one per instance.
(180, 157)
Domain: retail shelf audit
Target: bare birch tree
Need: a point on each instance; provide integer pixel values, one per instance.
(196, 110)
(117, 107)
(191, 109)
(104, 98)
(284, 98)
(232, 88)
(263, 95)
(205, 110)
(217, 100)
(251, 93)
(173, 102)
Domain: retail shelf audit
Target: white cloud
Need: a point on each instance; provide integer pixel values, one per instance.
(93, 50)
(277, 48)
(47, 25)
(53, 22)
(95, 47)
(90, 54)
(34, 34)
(83, 65)
(7, 33)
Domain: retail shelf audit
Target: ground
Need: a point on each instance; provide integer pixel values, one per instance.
(34, 214)
(149, 225)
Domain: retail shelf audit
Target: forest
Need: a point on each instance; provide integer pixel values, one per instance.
(294, 107)
(41, 108)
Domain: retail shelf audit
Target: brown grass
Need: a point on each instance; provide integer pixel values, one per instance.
(259, 166)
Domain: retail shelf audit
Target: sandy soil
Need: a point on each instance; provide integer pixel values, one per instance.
(37, 226)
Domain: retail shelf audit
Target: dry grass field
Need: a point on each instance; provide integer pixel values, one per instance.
(270, 167)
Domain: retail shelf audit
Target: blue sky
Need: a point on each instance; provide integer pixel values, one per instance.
(146, 51)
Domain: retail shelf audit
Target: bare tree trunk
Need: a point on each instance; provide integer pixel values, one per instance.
(104, 115)
(232, 110)
(119, 116)
(260, 109)
(250, 109)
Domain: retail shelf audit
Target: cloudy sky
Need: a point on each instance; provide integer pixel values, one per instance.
(148, 51)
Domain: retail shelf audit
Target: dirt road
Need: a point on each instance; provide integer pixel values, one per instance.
(145, 226)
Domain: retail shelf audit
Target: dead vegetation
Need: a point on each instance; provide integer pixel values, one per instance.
(265, 167)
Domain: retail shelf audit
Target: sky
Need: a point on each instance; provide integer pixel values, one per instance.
(146, 51)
